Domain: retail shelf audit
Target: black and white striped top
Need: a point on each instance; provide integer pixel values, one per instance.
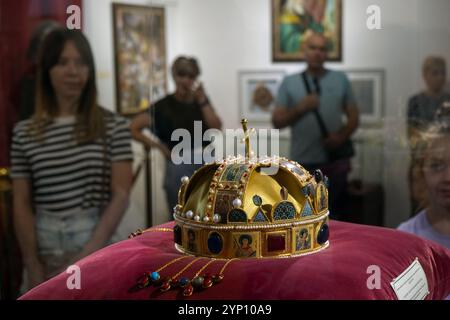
(64, 174)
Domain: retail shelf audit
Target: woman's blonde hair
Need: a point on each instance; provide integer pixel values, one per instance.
(438, 129)
(433, 62)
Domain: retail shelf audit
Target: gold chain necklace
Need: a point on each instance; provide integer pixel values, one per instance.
(139, 232)
(198, 282)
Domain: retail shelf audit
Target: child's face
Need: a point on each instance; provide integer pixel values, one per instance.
(436, 169)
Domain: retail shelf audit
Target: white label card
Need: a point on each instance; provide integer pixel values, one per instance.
(412, 284)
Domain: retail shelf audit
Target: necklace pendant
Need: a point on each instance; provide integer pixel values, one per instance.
(187, 292)
(184, 282)
(217, 278)
(155, 276)
(198, 281)
(165, 285)
(143, 281)
(207, 282)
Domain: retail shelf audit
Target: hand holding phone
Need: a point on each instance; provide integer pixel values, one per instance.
(199, 93)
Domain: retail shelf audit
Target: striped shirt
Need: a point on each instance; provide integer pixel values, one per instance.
(64, 174)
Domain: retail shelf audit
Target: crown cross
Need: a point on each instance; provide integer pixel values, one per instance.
(246, 139)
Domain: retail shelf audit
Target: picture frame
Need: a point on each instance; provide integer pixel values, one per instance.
(139, 56)
(257, 94)
(293, 22)
(368, 90)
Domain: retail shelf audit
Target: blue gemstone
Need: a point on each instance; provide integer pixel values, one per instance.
(184, 282)
(155, 276)
(257, 200)
(323, 234)
(215, 243)
(318, 175)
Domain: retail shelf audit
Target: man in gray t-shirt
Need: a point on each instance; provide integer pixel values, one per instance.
(332, 97)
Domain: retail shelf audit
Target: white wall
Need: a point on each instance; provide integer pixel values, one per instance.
(232, 35)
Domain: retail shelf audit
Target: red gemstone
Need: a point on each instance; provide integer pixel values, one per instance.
(165, 286)
(276, 243)
(144, 280)
(207, 282)
(175, 283)
(188, 291)
(217, 278)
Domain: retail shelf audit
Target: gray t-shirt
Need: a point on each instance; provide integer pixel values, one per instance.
(420, 226)
(306, 137)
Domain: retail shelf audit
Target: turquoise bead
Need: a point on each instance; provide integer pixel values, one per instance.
(155, 276)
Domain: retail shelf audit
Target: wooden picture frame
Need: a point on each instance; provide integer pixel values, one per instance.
(293, 22)
(140, 57)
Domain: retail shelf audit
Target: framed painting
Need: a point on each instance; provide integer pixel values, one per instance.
(140, 57)
(258, 90)
(293, 21)
(368, 89)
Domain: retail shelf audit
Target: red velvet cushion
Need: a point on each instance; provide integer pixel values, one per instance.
(339, 272)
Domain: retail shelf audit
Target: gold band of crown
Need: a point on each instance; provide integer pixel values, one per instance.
(248, 241)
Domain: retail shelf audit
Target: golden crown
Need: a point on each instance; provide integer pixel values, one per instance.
(234, 209)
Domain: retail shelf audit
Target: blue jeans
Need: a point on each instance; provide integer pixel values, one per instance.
(63, 235)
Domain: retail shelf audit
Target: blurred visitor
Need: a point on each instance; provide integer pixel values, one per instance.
(178, 110)
(422, 109)
(313, 103)
(71, 162)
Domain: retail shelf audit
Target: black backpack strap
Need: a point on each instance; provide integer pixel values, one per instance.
(306, 83)
(323, 128)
